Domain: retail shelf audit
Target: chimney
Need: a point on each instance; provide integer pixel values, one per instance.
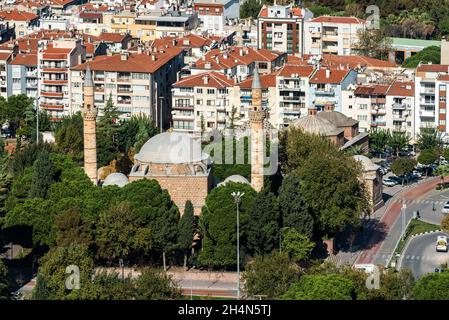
(312, 111)
(186, 42)
(241, 52)
(328, 73)
(174, 42)
(153, 57)
(139, 49)
(205, 79)
(207, 65)
(109, 52)
(124, 56)
(328, 107)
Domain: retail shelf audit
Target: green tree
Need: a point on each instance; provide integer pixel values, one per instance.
(219, 224)
(156, 285)
(250, 8)
(402, 166)
(14, 111)
(294, 211)
(398, 141)
(4, 282)
(263, 223)
(432, 286)
(430, 138)
(269, 275)
(134, 132)
(70, 228)
(69, 136)
(110, 286)
(297, 246)
(430, 54)
(121, 234)
(378, 140)
(373, 43)
(428, 156)
(442, 171)
(52, 271)
(44, 175)
(321, 287)
(187, 230)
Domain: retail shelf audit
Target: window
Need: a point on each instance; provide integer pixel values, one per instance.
(210, 91)
(77, 84)
(443, 110)
(210, 103)
(443, 122)
(141, 98)
(186, 90)
(140, 76)
(363, 106)
(350, 107)
(199, 90)
(110, 86)
(361, 117)
(442, 98)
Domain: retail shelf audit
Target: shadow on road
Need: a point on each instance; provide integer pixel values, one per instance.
(370, 233)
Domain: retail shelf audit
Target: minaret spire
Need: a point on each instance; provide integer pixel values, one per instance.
(90, 113)
(256, 117)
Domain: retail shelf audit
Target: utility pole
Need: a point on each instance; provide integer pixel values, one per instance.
(237, 198)
(404, 206)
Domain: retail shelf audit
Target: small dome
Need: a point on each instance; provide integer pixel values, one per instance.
(337, 118)
(115, 179)
(172, 147)
(367, 164)
(234, 178)
(316, 125)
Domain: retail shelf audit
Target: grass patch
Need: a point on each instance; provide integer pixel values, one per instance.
(415, 227)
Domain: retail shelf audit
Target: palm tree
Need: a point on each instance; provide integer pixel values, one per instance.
(442, 171)
(397, 141)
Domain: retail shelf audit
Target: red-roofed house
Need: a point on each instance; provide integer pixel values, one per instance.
(332, 35)
(136, 82)
(281, 28)
(21, 20)
(54, 60)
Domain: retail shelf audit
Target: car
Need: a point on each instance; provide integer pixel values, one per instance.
(445, 209)
(389, 182)
(417, 173)
(366, 267)
(441, 245)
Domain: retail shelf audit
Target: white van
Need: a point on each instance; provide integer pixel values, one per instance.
(368, 268)
(441, 244)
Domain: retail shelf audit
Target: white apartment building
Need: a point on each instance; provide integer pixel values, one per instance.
(137, 83)
(383, 106)
(54, 60)
(203, 102)
(431, 97)
(281, 28)
(332, 35)
(213, 14)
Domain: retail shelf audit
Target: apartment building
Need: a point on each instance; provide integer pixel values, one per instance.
(23, 75)
(5, 58)
(431, 97)
(55, 58)
(327, 84)
(332, 35)
(239, 62)
(292, 83)
(137, 83)
(203, 102)
(281, 28)
(383, 106)
(172, 23)
(21, 21)
(214, 14)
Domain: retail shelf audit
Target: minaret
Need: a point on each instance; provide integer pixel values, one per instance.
(90, 113)
(256, 119)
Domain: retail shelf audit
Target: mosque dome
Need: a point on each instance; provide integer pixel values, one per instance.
(337, 118)
(316, 125)
(367, 164)
(115, 179)
(235, 178)
(172, 147)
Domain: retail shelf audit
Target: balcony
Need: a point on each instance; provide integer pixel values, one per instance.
(291, 110)
(427, 102)
(330, 49)
(290, 98)
(324, 92)
(427, 113)
(316, 35)
(55, 81)
(245, 97)
(427, 91)
(124, 90)
(284, 86)
(52, 94)
(380, 111)
(123, 79)
(99, 89)
(183, 107)
(48, 106)
(399, 106)
(378, 100)
(399, 117)
(378, 123)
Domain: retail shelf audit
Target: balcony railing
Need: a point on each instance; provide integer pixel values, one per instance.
(325, 92)
(399, 106)
(124, 101)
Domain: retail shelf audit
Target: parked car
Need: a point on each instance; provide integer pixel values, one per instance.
(445, 209)
(389, 182)
(417, 173)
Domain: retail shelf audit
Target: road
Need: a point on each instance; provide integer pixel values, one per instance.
(420, 255)
(385, 232)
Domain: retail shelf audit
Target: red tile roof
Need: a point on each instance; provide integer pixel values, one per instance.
(135, 63)
(333, 19)
(112, 37)
(301, 70)
(189, 41)
(444, 77)
(25, 59)
(433, 68)
(297, 12)
(214, 80)
(335, 76)
(4, 55)
(267, 81)
(372, 90)
(16, 15)
(402, 89)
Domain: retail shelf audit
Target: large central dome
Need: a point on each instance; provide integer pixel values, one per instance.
(172, 147)
(316, 125)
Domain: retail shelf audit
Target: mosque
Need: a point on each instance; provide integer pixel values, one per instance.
(177, 162)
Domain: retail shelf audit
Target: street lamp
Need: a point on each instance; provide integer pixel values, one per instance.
(237, 198)
(404, 206)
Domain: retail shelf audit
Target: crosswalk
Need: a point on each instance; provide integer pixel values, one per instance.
(419, 201)
(388, 257)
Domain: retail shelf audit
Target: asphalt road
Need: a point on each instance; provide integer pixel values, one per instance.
(420, 255)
